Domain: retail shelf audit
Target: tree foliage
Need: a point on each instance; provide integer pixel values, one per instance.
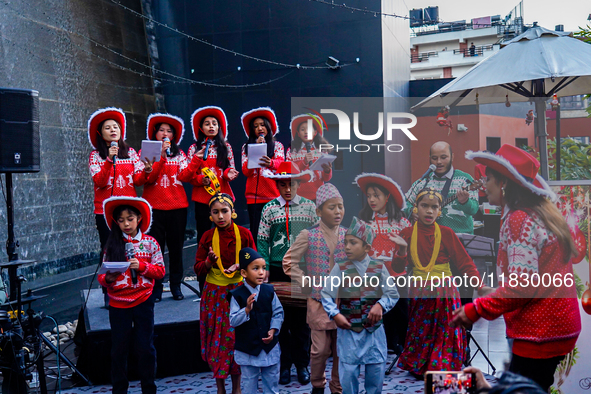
(575, 159)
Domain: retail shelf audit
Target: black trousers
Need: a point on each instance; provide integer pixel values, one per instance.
(540, 370)
(135, 324)
(202, 222)
(396, 324)
(103, 230)
(294, 337)
(168, 227)
(254, 217)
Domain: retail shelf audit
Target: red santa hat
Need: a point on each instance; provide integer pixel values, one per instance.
(110, 204)
(262, 112)
(99, 116)
(202, 113)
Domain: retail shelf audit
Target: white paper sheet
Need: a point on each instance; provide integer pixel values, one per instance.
(151, 149)
(255, 152)
(113, 266)
(324, 159)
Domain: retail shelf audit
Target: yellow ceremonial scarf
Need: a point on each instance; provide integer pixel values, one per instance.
(430, 269)
(216, 275)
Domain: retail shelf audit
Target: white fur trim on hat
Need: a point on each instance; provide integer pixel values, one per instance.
(244, 115)
(271, 175)
(306, 116)
(100, 111)
(546, 191)
(168, 116)
(386, 178)
(127, 198)
(208, 107)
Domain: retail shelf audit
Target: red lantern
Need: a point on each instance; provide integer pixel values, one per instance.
(581, 243)
(586, 301)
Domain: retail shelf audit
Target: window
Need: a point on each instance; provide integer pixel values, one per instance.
(493, 144)
(521, 143)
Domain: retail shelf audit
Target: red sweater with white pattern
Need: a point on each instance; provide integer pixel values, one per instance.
(129, 172)
(164, 188)
(199, 193)
(308, 189)
(543, 321)
(258, 186)
(123, 293)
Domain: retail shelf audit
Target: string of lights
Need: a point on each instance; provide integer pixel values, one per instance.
(217, 47)
(365, 10)
(179, 79)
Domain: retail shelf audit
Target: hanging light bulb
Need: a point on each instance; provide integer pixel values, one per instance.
(476, 101)
(507, 103)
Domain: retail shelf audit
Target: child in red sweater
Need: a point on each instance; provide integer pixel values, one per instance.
(305, 150)
(210, 131)
(260, 126)
(132, 307)
(165, 192)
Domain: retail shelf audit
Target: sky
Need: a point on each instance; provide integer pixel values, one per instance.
(548, 13)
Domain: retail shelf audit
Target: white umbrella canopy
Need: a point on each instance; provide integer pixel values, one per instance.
(532, 66)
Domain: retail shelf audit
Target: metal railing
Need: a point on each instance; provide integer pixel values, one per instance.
(471, 52)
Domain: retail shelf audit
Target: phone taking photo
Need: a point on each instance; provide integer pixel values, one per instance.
(450, 382)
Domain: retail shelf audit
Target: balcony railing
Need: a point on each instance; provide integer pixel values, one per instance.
(422, 57)
(471, 52)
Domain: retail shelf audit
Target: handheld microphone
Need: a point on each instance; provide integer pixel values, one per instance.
(165, 139)
(114, 143)
(130, 254)
(206, 153)
(308, 149)
(432, 168)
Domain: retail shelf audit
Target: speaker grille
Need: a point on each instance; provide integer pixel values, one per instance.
(19, 131)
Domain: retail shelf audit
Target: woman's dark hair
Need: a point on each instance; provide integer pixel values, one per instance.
(174, 148)
(518, 197)
(115, 246)
(222, 150)
(269, 139)
(393, 211)
(318, 139)
(103, 149)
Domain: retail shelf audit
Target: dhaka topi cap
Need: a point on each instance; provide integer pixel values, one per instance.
(326, 192)
(247, 256)
(361, 230)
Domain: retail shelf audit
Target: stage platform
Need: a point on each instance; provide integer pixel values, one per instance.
(176, 329)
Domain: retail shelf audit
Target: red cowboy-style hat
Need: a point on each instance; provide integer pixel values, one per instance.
(204, 112)
(288, 170)
(296, 121)
(94, 134)
(262, 112)
(517, 165)
(174, 121)
(110, 204)
(363, 180)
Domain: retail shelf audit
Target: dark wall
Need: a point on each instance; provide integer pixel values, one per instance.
(47, 46)
(291, 32)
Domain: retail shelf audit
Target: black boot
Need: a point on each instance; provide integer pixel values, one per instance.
(176, 292)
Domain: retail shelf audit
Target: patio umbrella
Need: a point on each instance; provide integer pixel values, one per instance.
(531, 67)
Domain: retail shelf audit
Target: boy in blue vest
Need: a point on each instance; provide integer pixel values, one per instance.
(319, 247)
(256, 314)
(365, 295)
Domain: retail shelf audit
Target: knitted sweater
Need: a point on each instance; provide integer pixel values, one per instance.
(456, 216)
(123, 293)
(382, 248)
(227, 247)
(163, 188)
(259, 188)
(308, 189)
(277, 231)
(543, 321)
(199, 193)
(129, 172)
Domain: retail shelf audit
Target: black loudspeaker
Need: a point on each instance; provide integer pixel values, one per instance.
(19, 130)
